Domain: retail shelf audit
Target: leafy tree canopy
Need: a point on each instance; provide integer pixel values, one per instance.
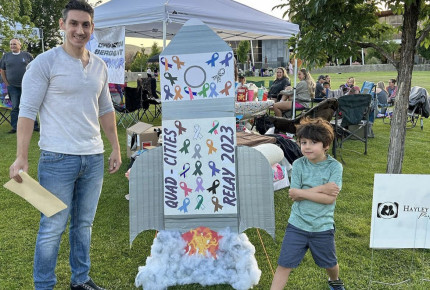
(12, 14)
(242, 51)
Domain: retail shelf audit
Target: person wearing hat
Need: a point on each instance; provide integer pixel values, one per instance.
(319, 89)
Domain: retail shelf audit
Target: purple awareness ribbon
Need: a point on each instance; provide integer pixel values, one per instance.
(227, 58)
(199, 182)
(213, 167)
(164, 63)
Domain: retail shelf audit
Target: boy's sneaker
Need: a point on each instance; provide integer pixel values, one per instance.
(90, 285)
(336, 285)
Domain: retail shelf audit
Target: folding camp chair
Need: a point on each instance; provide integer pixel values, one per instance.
(150, 95)
(129, 111)
(353, 124)
(418, 108)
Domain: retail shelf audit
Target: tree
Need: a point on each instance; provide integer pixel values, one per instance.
(242, 51)
(13, 13)
(155, 49)
(139, 62)
(339, 28)
(46, 15)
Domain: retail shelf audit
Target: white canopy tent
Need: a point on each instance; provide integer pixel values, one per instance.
(161, 19)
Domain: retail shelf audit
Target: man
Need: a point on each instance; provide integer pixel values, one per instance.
(13, 66)
(68, 86)
(319, 89)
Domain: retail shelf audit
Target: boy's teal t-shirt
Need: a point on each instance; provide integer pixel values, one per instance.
(308, 215)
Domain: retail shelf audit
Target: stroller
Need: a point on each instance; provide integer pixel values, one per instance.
(419, 106)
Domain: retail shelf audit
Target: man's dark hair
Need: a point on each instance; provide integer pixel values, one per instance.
(393, 81)
(78, 5)
(317, 130)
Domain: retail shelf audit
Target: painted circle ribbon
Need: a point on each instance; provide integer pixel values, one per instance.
(185, 169)
(197, 149)
(198, 170)
(185, 204)
(213, 167)
(170, 78)
(199, 182)
(214, 186)
(178, 62)
(216, 203)
(185, 188)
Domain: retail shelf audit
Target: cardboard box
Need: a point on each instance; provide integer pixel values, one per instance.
(141, 135)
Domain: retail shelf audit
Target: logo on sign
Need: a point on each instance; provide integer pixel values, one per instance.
(388, 210)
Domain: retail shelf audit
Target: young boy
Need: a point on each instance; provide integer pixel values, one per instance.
(315, 184)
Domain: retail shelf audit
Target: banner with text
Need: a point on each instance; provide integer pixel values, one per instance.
(400, 211)
(109, 45)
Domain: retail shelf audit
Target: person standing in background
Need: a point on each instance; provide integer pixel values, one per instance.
(13, 65)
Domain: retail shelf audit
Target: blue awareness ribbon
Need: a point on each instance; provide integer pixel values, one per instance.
(185, 169)
(185, 204)
(213, 167)
(169, 95)
(215, 56)
(213, 90)
(227, 58)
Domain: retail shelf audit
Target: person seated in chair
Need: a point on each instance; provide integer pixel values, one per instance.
(305, 91)
(320, 93)
(242, 81)
(392, 91)
(348, 86)
(281, 82)
(153, 86)
(382, 95)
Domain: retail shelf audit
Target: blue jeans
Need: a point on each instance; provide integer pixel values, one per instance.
(15, 98)
(77, 181)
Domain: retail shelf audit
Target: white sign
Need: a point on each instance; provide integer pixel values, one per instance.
(109, 45)
(400, 211)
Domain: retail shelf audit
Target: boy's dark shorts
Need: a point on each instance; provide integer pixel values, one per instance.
(296, 243)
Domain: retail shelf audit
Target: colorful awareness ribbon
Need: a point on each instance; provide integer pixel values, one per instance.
(185, 146)
(165, 63)
(214, 127)
(204, 90)
(197, 134)
(197, 149)
(215, 56)
(213, 167)
(186, 189)
(218, 76)
(213, 90)
(198, 170)
(185, 169)
(215, 202)
(227, 58)
(191, 93)
(178, 62)
(199, 182)
(178, 93)
(181, 129)
(185, 204)
(211, 147)
(168, 93)
(226, 89)
(170, 78)
(199, 202)
(214, 186)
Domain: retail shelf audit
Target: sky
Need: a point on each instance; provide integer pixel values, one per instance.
(262, 5)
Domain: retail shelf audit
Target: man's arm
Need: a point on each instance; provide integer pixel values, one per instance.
(3, 76)
(24, 131)
(325, 194)
(108, 123)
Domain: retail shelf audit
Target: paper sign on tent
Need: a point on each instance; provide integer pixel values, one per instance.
(30, 190)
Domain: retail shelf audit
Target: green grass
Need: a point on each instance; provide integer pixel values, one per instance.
(115, 263)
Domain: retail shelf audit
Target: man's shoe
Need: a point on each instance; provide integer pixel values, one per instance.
(13, 131)
(90, 285)
(336, 285)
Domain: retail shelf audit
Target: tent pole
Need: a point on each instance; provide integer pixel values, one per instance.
(164, 33)
(295, 82)
(252, 54)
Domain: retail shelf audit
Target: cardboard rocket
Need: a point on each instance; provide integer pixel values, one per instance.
(199, 179)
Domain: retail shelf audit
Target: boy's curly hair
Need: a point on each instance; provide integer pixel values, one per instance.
(318, 130)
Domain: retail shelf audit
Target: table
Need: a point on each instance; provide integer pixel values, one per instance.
(249, 110)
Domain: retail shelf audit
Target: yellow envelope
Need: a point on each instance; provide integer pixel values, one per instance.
(36, 195)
